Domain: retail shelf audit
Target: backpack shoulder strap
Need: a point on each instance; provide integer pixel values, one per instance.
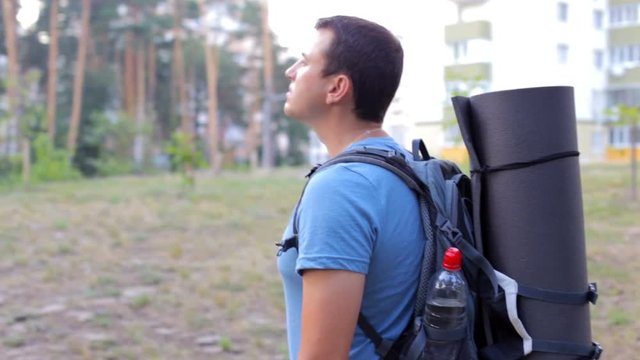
(388, 159)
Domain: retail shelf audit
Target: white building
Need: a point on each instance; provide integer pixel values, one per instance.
(624, 70)
(508, 44)
(493, 45)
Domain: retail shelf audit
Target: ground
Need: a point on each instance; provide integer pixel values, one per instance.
(144, 268)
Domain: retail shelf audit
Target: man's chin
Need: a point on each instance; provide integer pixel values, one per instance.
(287, 110)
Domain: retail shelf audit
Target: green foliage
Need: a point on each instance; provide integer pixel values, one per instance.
(96, 98)
(185, 156)
(141, 301)
(10, 169)
(624, 114)
(226, 344)
(51, 164)
(112, 138)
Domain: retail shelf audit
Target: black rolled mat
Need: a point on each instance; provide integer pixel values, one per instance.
(531, 218)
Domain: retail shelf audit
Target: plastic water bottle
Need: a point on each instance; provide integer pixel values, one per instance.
(446, 305)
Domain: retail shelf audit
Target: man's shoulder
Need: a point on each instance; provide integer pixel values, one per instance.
(360, 171)
(350, 173)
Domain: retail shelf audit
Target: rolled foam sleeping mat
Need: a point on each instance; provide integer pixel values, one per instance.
(530, 215)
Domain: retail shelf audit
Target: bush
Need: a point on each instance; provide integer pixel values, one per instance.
(51, 164)
(185, 156)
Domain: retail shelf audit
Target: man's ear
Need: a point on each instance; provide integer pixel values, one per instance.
(339, 88)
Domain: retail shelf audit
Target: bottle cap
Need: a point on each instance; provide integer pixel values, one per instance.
(452, 259)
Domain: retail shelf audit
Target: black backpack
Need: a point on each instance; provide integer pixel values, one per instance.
(444, 194)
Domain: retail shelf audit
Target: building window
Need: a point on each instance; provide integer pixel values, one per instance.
(563, 12)
(620, 136)
(597, 19)
(615, 15)
(626, 54)
(563, 53)
(459, 50)
(631, 13)
(616, 55)
(598, 59)
(636, 53)
(624, 14)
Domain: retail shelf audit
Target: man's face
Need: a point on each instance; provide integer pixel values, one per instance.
(306, 99)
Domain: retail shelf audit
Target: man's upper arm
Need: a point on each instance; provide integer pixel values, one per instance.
(331, 302)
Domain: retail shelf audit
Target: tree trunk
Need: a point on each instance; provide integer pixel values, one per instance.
(151, 77)
(634, 160)
(178, 55)
(119, 82)
(211, 60)
(253, 129)
(138, 143)
(9, 15)
(52, 80)
(267, 137)
(26, 161)
(151, 94)
(129, 80)
(79, 77)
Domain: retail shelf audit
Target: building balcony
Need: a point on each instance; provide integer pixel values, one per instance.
(624, 35)
(468, 2)
(467, 72)
(467, 31)
(622, 2)
(629, 76)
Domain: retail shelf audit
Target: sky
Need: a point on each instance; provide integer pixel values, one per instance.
(293, 20)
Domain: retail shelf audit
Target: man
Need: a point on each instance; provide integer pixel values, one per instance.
(359, 234)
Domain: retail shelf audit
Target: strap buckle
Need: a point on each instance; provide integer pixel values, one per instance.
(592, 293)
(597, 351)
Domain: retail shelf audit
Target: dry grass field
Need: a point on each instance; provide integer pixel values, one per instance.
(140, 268)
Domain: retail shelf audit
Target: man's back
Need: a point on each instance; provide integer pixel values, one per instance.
(360, 218)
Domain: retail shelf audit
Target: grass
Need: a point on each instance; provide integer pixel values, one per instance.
(204, 260)
(156, 267)
(613, 248)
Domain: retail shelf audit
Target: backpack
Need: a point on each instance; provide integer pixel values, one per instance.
(444, 194)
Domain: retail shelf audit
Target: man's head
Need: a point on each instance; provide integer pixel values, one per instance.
(371, 56)
(348, 50)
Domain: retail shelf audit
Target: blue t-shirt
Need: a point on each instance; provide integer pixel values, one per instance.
(362, 218)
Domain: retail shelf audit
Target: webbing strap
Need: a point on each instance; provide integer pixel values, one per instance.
(468, 251)
(560, 297)
(383, 158)
(524, 164)
(382, 346)
(419, 150)
(291, 242)
(446, 335)
(513, 349)
(592, 352)
(417, 346)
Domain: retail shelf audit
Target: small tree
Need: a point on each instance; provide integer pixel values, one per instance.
(630, 116)
(185, 157)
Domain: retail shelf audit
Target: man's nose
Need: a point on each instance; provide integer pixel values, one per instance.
(290, 73)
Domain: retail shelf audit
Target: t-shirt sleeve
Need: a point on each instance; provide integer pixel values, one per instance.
(338, 221)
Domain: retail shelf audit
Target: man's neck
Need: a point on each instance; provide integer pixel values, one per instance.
(338, 135)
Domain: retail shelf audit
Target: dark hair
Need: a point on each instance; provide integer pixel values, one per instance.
(371, 56)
